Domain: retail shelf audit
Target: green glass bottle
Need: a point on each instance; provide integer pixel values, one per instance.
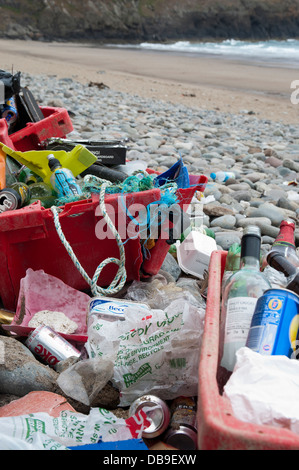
(28, 177)
(23, 190)
(43, 193)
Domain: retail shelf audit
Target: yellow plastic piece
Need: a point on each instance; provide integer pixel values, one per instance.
(77, 160)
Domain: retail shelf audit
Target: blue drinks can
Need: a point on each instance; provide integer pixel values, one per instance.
(275, 323)
(10, 112)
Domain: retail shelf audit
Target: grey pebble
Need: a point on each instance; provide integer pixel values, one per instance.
(21, 373)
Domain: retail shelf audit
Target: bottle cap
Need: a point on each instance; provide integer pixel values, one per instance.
(213, 176)
(53, 162)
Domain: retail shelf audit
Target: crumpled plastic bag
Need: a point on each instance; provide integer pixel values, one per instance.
(154, 351)
(264, 390)
(276, 278)
(158, 292)
(40, 431)
(84, 380)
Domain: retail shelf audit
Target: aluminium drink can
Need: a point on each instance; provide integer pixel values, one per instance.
(10, 112)
(182, 432)
(157, 412)
(50, 346)
(275, 323)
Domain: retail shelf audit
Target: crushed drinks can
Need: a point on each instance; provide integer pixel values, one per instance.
(275, 323)
(10, 112)
(182, 432)
(157, 412)
(50, 346)
(111, 309)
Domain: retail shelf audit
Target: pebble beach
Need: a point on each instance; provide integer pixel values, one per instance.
(262, 153)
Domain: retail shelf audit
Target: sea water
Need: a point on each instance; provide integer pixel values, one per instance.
(281, 51)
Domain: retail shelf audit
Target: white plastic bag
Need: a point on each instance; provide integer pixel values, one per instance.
(40, 431)
(85, 379)
(154, 351)
(264, 390)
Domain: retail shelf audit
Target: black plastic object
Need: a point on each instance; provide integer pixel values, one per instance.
(108, 152)
(101, 171)
(12, 83)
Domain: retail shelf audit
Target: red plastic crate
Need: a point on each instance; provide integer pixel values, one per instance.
(28, 239)
(56, 123)
(218, 428)
(153, 263)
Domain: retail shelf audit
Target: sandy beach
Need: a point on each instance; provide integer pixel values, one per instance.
(205, 82)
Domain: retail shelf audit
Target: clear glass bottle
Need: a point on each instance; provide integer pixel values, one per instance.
(240, 296)
(232, 264)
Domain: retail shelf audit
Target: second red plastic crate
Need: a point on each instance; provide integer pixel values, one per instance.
(56, 123)
(218, 428)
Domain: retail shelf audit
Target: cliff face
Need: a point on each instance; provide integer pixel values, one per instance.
(148, 20)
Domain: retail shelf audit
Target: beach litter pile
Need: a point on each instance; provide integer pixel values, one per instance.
(110, 284)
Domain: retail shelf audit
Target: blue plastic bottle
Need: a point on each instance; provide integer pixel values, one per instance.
(63, 181)
(222, 176)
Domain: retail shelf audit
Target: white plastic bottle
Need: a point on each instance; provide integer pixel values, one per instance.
(222, 176)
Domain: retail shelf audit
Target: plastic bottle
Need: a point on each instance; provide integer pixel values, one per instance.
(240, 296)
(62, 179)
(222, 176)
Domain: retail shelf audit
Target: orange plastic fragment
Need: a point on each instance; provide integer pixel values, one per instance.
(36, 402)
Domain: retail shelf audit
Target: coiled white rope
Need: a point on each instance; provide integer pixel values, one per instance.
(121, 275)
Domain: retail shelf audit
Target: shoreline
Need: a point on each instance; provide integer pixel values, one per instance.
(230, 86)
